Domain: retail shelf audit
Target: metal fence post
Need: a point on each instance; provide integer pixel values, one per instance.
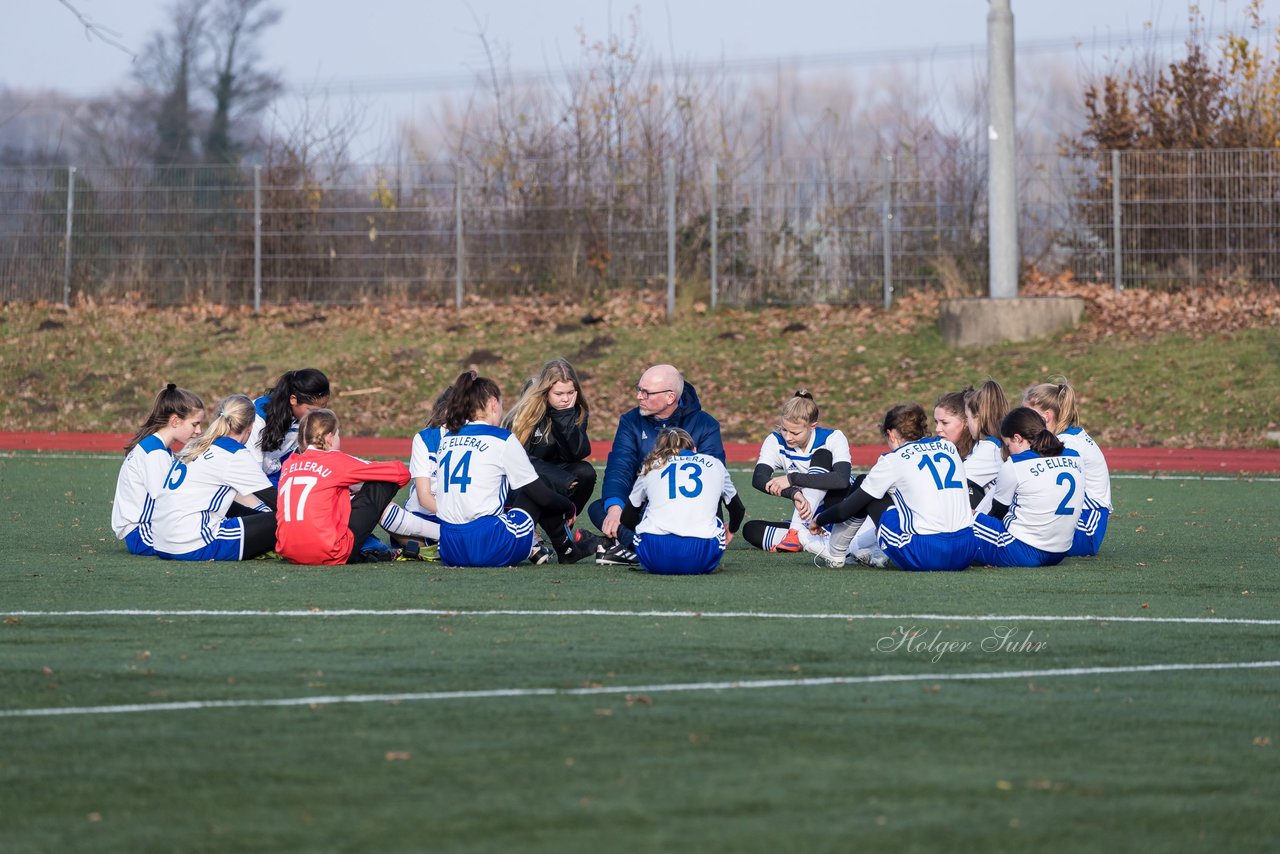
(1117, 252)
(671, 238)
(715, 203)
(257, 238)
(887, 228)
(460, 261)
(66, 263)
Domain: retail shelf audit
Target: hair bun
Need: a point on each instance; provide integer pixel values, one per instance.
(803, 392)
(171, 387)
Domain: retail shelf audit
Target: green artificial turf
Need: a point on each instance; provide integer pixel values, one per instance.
(616, 758)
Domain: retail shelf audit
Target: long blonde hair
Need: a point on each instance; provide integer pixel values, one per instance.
(531, 407)
(988, 405)
(235, 414)
(1058, 397)
(668, 445)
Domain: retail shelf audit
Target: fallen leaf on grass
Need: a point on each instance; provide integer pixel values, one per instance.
(603, 713)
(398, 756)
(1004, 785)
(94, 817)
(12, 621)
(639, 700)
(1262, 741)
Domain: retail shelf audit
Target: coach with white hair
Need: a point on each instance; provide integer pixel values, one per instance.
(663, 401)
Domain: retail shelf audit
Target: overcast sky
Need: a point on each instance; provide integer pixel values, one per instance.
(394, 51)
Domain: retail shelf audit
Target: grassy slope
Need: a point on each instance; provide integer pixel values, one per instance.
(97, 368)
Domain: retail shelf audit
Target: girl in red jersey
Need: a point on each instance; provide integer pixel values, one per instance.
(320, 520)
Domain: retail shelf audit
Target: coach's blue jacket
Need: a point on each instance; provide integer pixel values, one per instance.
(636, 435)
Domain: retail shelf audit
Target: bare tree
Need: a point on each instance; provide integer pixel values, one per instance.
(240, 87)
(166, 69)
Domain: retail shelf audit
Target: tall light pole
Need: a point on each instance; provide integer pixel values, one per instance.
(1002, 190)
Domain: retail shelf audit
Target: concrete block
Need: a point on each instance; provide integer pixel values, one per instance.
(973, 322)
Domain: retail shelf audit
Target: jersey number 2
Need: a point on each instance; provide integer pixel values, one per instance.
(290, 512)
(1065, 508)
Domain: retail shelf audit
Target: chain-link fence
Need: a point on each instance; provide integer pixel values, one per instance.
(801, 231)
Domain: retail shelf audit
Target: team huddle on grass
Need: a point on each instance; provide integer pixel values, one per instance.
(989, 485)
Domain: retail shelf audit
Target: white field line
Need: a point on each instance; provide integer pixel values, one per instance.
(754, 615)
(668, 688)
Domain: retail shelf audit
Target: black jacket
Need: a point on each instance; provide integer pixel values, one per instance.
(557, 440)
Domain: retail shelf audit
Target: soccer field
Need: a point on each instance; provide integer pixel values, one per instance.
(1125, 702)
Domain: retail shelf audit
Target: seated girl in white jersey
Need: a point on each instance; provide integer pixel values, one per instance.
(1056, 403)
(482, 469)
(681, 491)
(321, 520)
(984, 408)
(423, 459)
(916, 496)
(210, 481)
(815, 472)
(1036, 501)
(176, 416)
(276, 414)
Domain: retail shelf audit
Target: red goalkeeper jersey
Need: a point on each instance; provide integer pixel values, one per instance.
(314, 504)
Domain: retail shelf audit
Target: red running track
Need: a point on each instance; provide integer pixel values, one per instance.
(1243, 461)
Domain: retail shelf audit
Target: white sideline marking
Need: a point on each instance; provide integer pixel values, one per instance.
(759, 615)
(673, 687)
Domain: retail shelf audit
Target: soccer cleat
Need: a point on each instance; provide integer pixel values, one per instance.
(789, 543)
(614, 553)
(873, 556)
(820, 548)
(269, 555)
(541, 555)
(581, 546)
(413, 550)
(379, 555)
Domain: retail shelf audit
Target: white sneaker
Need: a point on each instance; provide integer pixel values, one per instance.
(821, 551)
(873, 556)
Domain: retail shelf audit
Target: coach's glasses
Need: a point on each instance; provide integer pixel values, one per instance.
(645, 394)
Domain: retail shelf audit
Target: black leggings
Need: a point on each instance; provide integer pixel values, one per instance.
(367, 507)
(259, 533)
(585, 475)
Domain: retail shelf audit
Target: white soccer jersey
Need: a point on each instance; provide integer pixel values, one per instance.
(270, 461)
(477, 467)
(141, 479)
(196, 495)
(422, 463)
(1097, 475)
(683, 496)
(984, 462)
(1044, 496)
(778, 455)
(927, 480)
